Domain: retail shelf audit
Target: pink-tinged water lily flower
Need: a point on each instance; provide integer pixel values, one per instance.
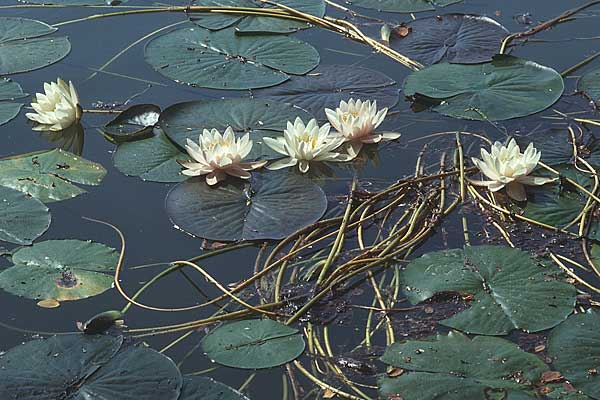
(356, 121)
(217, 156)
(302, 144)
(57, 108)
(507, 167)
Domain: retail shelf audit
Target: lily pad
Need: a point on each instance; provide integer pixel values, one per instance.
(455, 38)
(454, 367)
(24, 45)
(508, 87)
(153, 159)
(575, 349)
(404, 6)
(224, 60)
(132, 123)
(9, 92)
(253, 344)
(78, 2)
(271, 206)
(22, 218)
(326, 86)
(49, 175)
(589, 83)
(60, 270)
(255, 24)
(200, 388)
(255, 116)
(510, 290)
(86, 367)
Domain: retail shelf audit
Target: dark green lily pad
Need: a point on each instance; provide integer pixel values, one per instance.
(24, 45)
(78, 2)
(575, 347)
(404, 6)
(255, 116)
(454, 38)
(326, 86)
(454, 367)
(224, 60)
(87, 367)
(271, 206)
(61, 270)
(255, 24)
(253, 344)
(153, 159)
(9, 92)
(200, 388)
(589, 83)
(508, 87)
(48, 175)
(133, 123)
(510, 290)
(22, 218)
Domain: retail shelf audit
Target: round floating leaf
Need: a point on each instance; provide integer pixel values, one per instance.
(133, 123)
(61, 270)
(329, 84)
(153, 159)
(505, 88)
(255, 116)
(87, 367)
(200, 388)
(22, 218)
(47, 175)
(454, 367)
(271, 206)
(510, 290)
(252, 23)
(590, 85)
(403, 6)
(455, 38)
(25, 47)
(253, 344)
(575, 347)
(224, 60)
(79, 2)
(9, 92)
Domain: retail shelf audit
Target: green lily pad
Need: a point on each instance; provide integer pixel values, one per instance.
(454, 367)
(404, 6)
(153, 159)
(224, 60)
(48, 175)
(271, 206)
(22, 218)
(253, 344)
(87, 367)
(9, 92)
(589, 83)
(24, 45)
(255, 116)
(510, 290)
(255, 24)
(574, 346)
(61, 270)
(508, 87)
(200, 388)
(133, 123)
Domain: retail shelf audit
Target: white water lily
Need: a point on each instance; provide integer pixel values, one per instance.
(302, 144)
(217, 156)
(507, 167)
(356, 121)
(57, 108)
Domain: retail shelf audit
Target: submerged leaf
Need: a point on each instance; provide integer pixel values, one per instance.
(200, 388)
(590, 85)
(22, 218)
(9, 92)
(404, 6)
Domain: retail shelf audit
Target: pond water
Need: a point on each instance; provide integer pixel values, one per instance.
(137, 207)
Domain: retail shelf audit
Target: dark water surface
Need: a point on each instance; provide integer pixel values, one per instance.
(137, 207)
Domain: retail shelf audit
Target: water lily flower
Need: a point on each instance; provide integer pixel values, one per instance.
(57, 108)
(217, 156)
(507, 167)
(302, 144)
(356, 121)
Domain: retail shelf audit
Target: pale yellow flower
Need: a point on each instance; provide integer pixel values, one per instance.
(57, 108)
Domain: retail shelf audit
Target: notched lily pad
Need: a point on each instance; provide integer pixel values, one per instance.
(253, 344)
(22, 218)
(9, 92)
(590, 85)
(133, 123)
